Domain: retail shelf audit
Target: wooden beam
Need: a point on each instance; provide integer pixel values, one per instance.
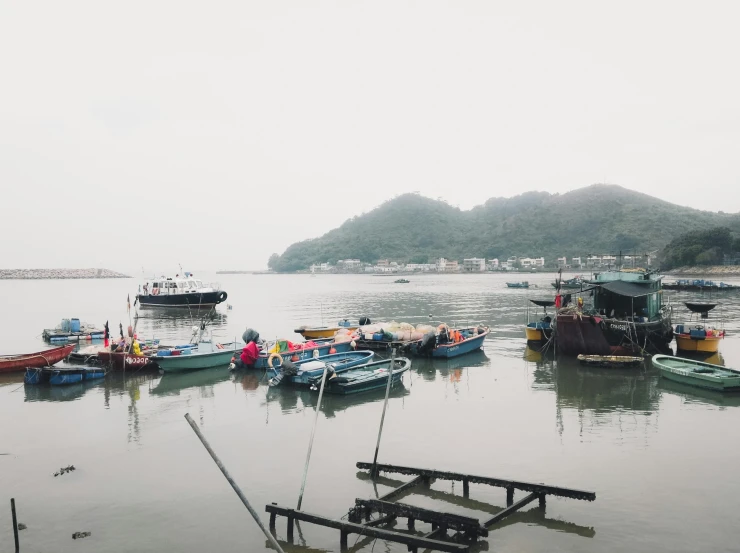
(469, 525)
(497, 482)
(347, 528)
(511, 510)
(402, 488)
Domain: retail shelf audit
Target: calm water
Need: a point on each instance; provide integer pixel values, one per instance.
(662, 459)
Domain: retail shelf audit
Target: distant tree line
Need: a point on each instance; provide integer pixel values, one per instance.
(700, 247)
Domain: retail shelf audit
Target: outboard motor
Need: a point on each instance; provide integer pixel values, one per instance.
(428, 343)
(250, 335)
(364, 321)
(288, 368)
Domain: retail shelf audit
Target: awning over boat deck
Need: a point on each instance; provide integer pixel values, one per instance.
(629, 289)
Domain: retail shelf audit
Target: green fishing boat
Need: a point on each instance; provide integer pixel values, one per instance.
(206, 356)
(696, 373)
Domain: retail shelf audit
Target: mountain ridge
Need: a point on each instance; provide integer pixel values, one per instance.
(595, 219)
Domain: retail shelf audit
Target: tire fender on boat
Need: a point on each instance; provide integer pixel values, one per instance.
(274, 356)
(222, 297)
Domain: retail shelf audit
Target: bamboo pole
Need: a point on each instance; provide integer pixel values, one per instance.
(310, 442)
(234, 485)
(385, 406)
(15, 525)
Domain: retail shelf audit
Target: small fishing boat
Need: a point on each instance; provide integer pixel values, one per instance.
(697, 373)
(699, 285)
(364, 378)
(72, 330)
(698, 336)
(303, 352)
(316, 332)
(186, 291)
(610, 361)
(524, 284)
(57, 376)
(539, 331)
(207, 355)
(449, 343)
(575, 283)
(311, 368)
(19, 363)
(121, 361)
(401, 281)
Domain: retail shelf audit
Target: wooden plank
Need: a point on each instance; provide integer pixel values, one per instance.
(511, 510)
(352, 528)
(469, 525)
(531, 487)
(402, 488)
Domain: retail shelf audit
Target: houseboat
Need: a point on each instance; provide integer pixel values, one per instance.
(628, 314)
(178, 291)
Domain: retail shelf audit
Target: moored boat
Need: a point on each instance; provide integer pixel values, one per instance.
(627, 315)
(206, 356)
(186, 291)
(365, 377)
(72, 330)
(699, 285)
(301, 352)
(12, 363)
(524, 284)
(448, 343)
(401, 281)
(698, 336)
(697, 373)
(58, 376)
(311, 368)
(575, 283)
(611, 361)
(121, 361)
(539, 331)
(317, 332)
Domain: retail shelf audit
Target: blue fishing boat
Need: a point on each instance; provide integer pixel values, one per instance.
(448, 343)
(364, 378)
(324, 348)
(62, 376)
(309, 369)
(524, 284)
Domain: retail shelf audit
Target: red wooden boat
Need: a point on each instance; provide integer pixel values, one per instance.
(12, 363)
(125, 361)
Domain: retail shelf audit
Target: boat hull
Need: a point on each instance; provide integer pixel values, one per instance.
(318, 333)
(339, 362)
(708, 344)
(589, 335)
(195, 361)
(534, 334)
(126, 361)
(372, 381)
(323, 349)
(448, 351)
(19, 363)
(196, 299)
(680, 370)
(62, 377)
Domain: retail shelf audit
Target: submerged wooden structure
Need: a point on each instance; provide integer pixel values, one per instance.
(449, 531)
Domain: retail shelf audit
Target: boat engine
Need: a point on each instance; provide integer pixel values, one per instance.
(250, 335)
(364, 321)
(428, 343)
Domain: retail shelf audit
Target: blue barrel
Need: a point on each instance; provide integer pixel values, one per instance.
(75, 325)
(66, 325)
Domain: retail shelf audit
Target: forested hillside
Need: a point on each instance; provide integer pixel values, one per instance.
(594, 220)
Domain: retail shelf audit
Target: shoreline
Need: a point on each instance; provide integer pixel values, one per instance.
(58, 274)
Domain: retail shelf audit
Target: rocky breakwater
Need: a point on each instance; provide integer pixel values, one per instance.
(38, 274)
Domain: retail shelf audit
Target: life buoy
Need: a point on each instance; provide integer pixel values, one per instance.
(274, 356)
(222, 297)
(155, 291)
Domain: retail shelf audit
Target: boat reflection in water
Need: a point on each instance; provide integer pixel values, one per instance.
(449, 369)
(700, 396)
(69, 392)
(171, 384)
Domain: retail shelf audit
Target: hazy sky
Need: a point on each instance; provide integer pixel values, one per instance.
(215, 133)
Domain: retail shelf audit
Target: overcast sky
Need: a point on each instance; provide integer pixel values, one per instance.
(212, 134)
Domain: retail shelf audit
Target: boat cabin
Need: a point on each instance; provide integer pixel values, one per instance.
(168, 286)
(628, 295)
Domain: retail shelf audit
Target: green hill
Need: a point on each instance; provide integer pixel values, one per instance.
(593, 220)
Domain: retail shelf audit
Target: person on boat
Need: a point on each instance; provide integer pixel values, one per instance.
(136, 348)
(119, 346)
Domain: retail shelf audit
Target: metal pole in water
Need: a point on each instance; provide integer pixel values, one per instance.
(310, 442)
(15, 525)
(228, 477)
(385, 406)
